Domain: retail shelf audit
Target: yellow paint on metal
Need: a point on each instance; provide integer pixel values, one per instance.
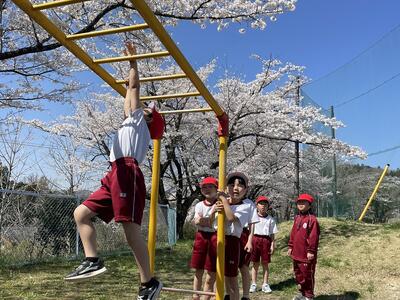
(183, 111)
(47, 5)
(89, 34)
(130, 57)
(155, 179)
(159, 30)
(156, 78)
(221, 220)
(51, 28)
(374, 192)
(170, 96)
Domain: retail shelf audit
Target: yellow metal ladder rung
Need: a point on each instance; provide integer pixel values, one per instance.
(125, 58)
(170, 96)
(89, 34)
(155, 78)
(183, 111)
(52, 4)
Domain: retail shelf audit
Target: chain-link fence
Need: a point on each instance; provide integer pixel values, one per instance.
(36, 227)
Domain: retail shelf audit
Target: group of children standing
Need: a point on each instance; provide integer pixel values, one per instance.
(249, 237)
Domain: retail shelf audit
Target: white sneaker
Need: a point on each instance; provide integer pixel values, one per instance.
(266, 288)
(253, 288)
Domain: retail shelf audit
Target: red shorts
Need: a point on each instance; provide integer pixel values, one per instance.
(201, 246)
(261, 249)
(232, 252)
(122, 194)
(244, 259)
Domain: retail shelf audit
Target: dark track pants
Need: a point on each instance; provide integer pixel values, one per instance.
(305, 277)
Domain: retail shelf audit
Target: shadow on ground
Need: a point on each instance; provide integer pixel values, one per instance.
(346, 296)
(283, 284)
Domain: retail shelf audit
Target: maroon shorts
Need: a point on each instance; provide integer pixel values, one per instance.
(232, 252)
(261, 249)
(201, 246)
(122, 194)
(244, 259)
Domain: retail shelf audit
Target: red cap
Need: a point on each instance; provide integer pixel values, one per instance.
(239, 175)
(157, 125)
(306, 197)
(209, 180)
(261, 198)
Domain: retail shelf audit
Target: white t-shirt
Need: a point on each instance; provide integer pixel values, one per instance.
(202, 209)
(132, 138)
(242, 212)
(266, 226)
(253, 216)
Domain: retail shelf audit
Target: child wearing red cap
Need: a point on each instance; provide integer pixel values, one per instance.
(202, 219)
(303, 247)
(263, 244)
(122, 193)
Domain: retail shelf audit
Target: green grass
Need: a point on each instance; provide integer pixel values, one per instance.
(356, 261)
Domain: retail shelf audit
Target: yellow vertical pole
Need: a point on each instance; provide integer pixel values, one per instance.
(221, 221)
(155, 180)
(374, 192)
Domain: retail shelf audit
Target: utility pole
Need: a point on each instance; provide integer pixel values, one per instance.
(334, 174)
(297, 147)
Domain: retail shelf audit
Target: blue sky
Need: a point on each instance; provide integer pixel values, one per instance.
(324, 36)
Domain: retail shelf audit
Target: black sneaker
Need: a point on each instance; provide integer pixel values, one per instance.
(150, 293)
(87, 269)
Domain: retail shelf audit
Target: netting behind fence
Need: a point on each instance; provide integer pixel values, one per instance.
(36, 227)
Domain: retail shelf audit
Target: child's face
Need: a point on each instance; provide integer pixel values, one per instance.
(237, 191)
(209, 191)
(262, 207)
(303, 205)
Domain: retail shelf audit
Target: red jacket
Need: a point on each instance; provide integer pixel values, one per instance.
(304, 237)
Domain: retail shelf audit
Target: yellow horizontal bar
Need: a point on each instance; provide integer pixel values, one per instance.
(47, 5)
(161, 97)
(124, 58)
(159, 30)
(60, 36)
(183, 111)
(106, 31)
(156, 78)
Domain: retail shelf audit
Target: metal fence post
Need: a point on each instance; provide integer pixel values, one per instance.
(77, 233)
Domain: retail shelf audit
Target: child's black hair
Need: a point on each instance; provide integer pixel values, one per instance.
(241, 180)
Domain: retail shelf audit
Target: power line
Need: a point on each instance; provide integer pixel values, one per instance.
(384, 151)
(367, 92)
(357, 56)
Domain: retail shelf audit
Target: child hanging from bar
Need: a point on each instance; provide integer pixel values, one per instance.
(205, 230)
(303, 247)
(263, 244)
(122, 192)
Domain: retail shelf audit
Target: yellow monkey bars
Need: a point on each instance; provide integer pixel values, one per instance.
(68, 41)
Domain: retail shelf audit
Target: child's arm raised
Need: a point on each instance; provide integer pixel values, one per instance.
(132, 98)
